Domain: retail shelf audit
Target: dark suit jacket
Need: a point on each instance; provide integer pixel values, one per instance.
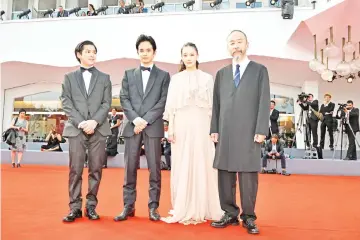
(279, 147)
(326, 110)
(149, 105)
(273, 120)
(123, 11)
(64, 14)
(353, 120)
(79, 105)
(314, 105)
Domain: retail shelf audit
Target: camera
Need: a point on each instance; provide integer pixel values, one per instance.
(302, 97)
(342, 106)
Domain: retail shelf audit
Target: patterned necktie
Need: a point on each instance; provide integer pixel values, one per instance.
(237, 75)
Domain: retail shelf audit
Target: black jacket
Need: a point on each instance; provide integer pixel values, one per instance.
(326, 110)
(279, 147)
(353, 120)
(9, 136)
(273, 121)
(314, 105)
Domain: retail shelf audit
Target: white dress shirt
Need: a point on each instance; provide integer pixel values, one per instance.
(274, 148)
(243, 65)
(271, 110)
(87, 78)
(145, 76)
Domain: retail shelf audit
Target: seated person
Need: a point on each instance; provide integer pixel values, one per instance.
(166, 148)
(53, 140)
(274, 150)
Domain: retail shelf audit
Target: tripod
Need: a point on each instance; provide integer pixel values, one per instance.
(300, 124)
(343, 121)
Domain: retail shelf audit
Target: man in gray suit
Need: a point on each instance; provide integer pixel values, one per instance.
(86, 98)
(143, 97)
(239, 124)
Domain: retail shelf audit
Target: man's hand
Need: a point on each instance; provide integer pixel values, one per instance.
(138, 130)
(214, 137)
(259, 138)
(277, 154)
(269, 154)
(139, 122)
(88, 126)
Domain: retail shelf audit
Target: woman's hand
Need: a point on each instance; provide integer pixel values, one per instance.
(171, 138)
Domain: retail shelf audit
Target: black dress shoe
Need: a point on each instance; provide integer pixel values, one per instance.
(13, 165)
(91, 214)
(127, 212)
(250, 225)
(225, 221)
(18, 165)
(154, 214)
(77, 213)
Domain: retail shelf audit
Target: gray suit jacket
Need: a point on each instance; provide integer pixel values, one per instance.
(79, 105)
(149, 105)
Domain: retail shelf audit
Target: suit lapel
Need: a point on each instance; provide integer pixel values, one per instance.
(151, 81)
(94, 77)
(81, 83)
(139, 81)
(228, 74)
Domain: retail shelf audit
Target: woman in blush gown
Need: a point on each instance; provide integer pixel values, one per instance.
(194, 185)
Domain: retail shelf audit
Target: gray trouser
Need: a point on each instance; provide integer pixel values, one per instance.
(96, 157)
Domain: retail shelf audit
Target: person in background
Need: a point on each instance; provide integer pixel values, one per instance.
(273, 122)
(22, 126)
(91, 11)
(53, 140)
(62, 12)
(115, 122)
(166, 146)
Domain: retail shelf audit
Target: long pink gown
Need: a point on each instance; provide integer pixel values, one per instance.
(194, 185)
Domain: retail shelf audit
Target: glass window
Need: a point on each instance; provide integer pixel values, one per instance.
(110, 2)
(20, 5)
(47, 4)
(40, 102)
(115, 103)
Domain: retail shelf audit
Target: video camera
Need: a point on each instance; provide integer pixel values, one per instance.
(342, 105)
(302, 97)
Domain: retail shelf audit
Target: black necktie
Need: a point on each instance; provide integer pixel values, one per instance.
(82, 69)
(145, 68)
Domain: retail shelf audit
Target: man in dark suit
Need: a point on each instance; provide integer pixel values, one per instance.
(86, 99)
(274, 149)
(62, 12)
(327, 110)
(143, 97)
(273, 123)
(122, 8)
(312, 121)
(239, 124)
(352, 119)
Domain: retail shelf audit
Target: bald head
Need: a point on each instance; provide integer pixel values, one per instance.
(237, 44)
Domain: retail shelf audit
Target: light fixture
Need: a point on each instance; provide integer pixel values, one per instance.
(75, 10)
(249, 2)
(215, 3)
(273, 2)
(349, 47)
(331, 49)
(343, 68)
(313, 64)
(350, 78)
(25, 13)
(327, 75)
(158, 6)
(321, 67)
(353, 65)
(357, 61)
(287, 9)
(189, 5)
(102, 10)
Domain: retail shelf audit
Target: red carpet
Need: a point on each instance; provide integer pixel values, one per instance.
(34, 201)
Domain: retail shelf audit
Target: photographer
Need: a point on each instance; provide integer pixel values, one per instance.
(327, 110)
(351, 116)
(274, 150)
(308, 104)
(273, 121)
(53, 140)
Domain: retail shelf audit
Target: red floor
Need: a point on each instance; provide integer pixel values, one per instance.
(34, 200)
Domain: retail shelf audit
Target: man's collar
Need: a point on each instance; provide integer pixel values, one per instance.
(242, 62)
(151, 66)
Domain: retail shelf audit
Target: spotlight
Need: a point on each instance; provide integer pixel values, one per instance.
(313, 3)
(215, 3)
(158, 6)
(189, 5)
(249, 2)
(102, 10)
(287, 9)
(24, 14)
(49, 12)
(129, 7)
(75, 10)
(350, 78)
(273, 2)
(2, 12)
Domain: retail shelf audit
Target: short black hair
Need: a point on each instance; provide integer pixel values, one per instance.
(272, 101)
(145, 38)
(310, 94)
(80, 47)
(236, 30)
(350, 102)
(22, 110)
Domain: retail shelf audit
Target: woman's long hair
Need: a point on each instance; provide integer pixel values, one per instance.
(182, 64)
